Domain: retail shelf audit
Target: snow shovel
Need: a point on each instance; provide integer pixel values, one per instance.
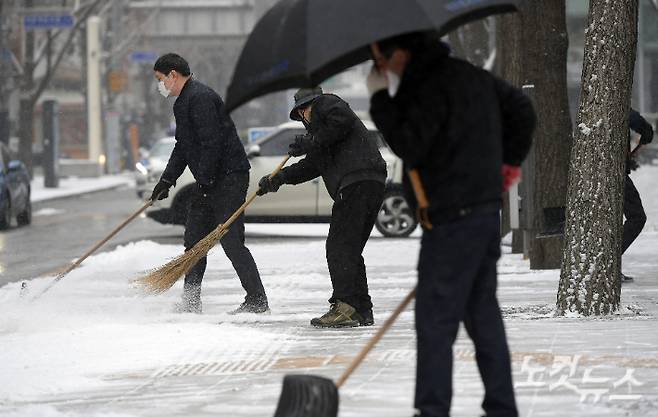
(75, 264)
(315, 396)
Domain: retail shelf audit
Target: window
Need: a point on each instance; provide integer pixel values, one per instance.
(278, 143)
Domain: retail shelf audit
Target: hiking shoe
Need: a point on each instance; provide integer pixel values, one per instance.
(366, 318)
(625, 278)
(256, 306)
(190, 301)
(340, 314)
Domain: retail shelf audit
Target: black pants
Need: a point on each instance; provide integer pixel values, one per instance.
(206, 213)
(634, 213)
(457, 282)
(352, 218)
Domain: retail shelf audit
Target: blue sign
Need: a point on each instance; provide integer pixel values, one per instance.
(62, 21)
(143, 56)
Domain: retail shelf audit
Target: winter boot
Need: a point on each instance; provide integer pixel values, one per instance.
(340, 314)
(255, 305)
(366, 318)
(191, 299)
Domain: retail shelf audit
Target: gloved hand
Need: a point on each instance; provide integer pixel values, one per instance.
(269, 185)
(511, 175)
(646, 137)
(376, 81)
(205, 189)
(300, 146)
(161, 190)
(631, 165)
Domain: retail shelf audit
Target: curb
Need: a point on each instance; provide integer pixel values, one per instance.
(77, 194)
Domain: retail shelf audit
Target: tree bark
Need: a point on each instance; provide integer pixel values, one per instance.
(589, 279)
(538, 57)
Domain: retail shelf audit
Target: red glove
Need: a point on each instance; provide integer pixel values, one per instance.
(511, 175)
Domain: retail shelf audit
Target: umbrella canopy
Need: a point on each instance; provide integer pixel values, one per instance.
(300, 43)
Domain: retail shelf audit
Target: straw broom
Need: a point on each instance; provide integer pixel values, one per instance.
(163, 278)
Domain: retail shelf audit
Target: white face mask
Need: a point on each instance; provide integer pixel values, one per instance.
(393, 82)
(162, 89)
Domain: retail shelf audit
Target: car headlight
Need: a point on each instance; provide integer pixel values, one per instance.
(141, 168)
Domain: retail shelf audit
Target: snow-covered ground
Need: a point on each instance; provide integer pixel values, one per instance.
(73, 186)
(93, 346)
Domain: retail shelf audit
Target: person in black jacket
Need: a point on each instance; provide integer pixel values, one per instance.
(339, 148)
(207, 142)
(633, 210)
(464, 133)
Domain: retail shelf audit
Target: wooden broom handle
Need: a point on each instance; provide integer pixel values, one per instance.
(251, 198)
(421, 198)
(75, 264)
(373, 341)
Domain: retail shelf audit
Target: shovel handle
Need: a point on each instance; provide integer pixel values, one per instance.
(116, 230)
(373, 341)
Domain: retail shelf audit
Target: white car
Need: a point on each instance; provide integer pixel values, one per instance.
(303, 203)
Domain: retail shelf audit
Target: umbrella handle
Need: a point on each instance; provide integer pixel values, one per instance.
(373, 341)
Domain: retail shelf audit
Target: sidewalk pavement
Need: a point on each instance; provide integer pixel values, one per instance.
(73, 186)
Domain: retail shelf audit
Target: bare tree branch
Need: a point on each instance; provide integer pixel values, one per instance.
(49, 74)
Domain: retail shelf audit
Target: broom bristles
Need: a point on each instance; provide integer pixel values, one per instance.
(163, 278)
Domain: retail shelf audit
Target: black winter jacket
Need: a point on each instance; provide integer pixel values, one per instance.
(206, 139)
(639, 124)
(457, 124)
(342, 150)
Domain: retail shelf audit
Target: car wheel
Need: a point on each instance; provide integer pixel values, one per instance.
(395, 218)
(5, 214)
(24, 218)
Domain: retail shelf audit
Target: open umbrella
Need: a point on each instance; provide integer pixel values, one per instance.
(300, 43)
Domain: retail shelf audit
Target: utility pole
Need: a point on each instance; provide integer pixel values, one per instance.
(115, 83)
(94, 122)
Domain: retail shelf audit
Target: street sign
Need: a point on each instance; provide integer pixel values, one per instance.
(255, 133)
(143, 56)
(45, 22)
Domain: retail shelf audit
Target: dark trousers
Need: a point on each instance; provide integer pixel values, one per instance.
(206, 213)
(457, 282)
(352, 218)
(634, 213)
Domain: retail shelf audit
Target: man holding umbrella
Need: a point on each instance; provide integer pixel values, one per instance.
(338, 148)
(463, 133)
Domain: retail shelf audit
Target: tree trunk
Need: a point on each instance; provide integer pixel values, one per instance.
(539, 58)
(589, 280)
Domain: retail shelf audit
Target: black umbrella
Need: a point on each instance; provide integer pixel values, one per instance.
(300, 43)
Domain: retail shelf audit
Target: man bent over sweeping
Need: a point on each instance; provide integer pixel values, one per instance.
(339, 148)
(207, 142)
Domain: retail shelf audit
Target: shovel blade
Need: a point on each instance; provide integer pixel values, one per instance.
(307, 396)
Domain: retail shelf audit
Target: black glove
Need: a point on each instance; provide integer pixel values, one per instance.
(631, 165)
(205, 189)
(300, 146)
(269, 185)
(646, 137)
(161, 190)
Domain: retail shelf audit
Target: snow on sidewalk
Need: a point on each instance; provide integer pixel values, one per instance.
(93, 346)
(74, 186)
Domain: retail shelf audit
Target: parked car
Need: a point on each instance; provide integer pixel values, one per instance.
(14, 191)
(303, 203)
